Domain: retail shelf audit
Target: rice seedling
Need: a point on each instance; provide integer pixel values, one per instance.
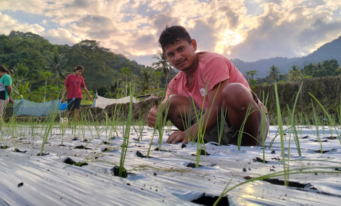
(186, 122)
(281, 133)
(126, 134)
(49, 126)
(221, 124)
(202, 120)
(332, 123)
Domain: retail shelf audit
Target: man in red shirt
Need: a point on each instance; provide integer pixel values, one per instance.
(200, 76)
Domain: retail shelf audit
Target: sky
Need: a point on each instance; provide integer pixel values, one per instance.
(249, 30)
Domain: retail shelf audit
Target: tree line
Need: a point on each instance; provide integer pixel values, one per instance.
(39, 67)
(320, 69)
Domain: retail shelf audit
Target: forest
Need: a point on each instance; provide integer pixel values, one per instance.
(39, 67)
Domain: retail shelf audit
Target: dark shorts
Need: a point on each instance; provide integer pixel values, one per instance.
(230, 135)
(75, 104)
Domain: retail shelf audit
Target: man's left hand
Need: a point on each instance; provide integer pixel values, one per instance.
(11, 100)
(176, 137)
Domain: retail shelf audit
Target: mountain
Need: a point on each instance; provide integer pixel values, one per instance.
(328, 51)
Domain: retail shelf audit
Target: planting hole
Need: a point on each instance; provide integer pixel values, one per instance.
(290, 183)
(210, 200)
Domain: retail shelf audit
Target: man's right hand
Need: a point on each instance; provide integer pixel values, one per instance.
(153, 114)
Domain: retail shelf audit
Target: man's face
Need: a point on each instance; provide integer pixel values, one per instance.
(181, 54)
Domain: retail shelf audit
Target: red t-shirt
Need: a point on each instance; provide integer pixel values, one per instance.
(212, 69)
(74, 85)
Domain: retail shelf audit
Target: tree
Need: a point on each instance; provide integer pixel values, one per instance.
(247, 75)
(162, 64)
(295, 74)
(274, 73)
(146, 79)
(56, 65)
(45, 75)
(253, 73)
(125, 71)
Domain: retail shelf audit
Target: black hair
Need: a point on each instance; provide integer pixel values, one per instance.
(4, 69)
(172, 34)
(79, 67)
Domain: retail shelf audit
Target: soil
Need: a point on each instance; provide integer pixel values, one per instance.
(210, 200)
(116, 172)
(81, 147)
(17, 150)
(290, 183)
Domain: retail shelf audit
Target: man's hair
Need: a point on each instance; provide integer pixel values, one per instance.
(172, 34)
(4, 69)
(79, 67)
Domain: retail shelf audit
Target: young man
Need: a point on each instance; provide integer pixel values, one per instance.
(207, 74)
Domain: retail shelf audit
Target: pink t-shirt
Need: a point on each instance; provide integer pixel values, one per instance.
(212, 69)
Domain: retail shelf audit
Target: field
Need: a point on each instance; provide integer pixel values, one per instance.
(164, 178)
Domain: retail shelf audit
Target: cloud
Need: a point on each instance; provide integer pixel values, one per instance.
(245, 29)
(7, 24)
(61, 36)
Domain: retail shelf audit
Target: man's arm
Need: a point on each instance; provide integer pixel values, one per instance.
(210, 117)
(9, 91)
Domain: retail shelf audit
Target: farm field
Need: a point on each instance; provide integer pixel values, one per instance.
(165, 178)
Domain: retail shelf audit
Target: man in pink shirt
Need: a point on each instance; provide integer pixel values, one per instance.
(214, 77)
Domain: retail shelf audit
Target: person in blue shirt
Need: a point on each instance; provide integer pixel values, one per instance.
(5, 90)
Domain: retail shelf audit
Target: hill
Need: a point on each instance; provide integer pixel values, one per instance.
(328, 51)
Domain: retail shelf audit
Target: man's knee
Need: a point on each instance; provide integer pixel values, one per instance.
(236, 94)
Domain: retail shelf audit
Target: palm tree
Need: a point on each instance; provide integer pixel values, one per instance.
(295, 73)
(146, 79)
(247, 75)
(45, 76)
(162, 64)
(253, 73)
(274, 73)
(56, 65)
(125, 71)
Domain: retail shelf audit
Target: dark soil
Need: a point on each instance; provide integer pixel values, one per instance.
(281, 182)
(202, 152)
(305, 137)
(183, 145)
(258, 159)
(84, 140)
(62, 145)
(106, 143)
(325, 151)
(106, 150)
(193, 165)
(20, 184)
(75, 139)
(139, 154)
(43, 154)
(4, 147)
(317, 140)
(331, 137)
(116, 171)
(17, 150)
(209, 200)
(81, 147)
(71, 162)
(162, 150)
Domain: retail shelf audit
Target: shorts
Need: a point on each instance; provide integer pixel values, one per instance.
(75, 104)
(230, 135)
(3, 104)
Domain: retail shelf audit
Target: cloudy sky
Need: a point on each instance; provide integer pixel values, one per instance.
(246, 29)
